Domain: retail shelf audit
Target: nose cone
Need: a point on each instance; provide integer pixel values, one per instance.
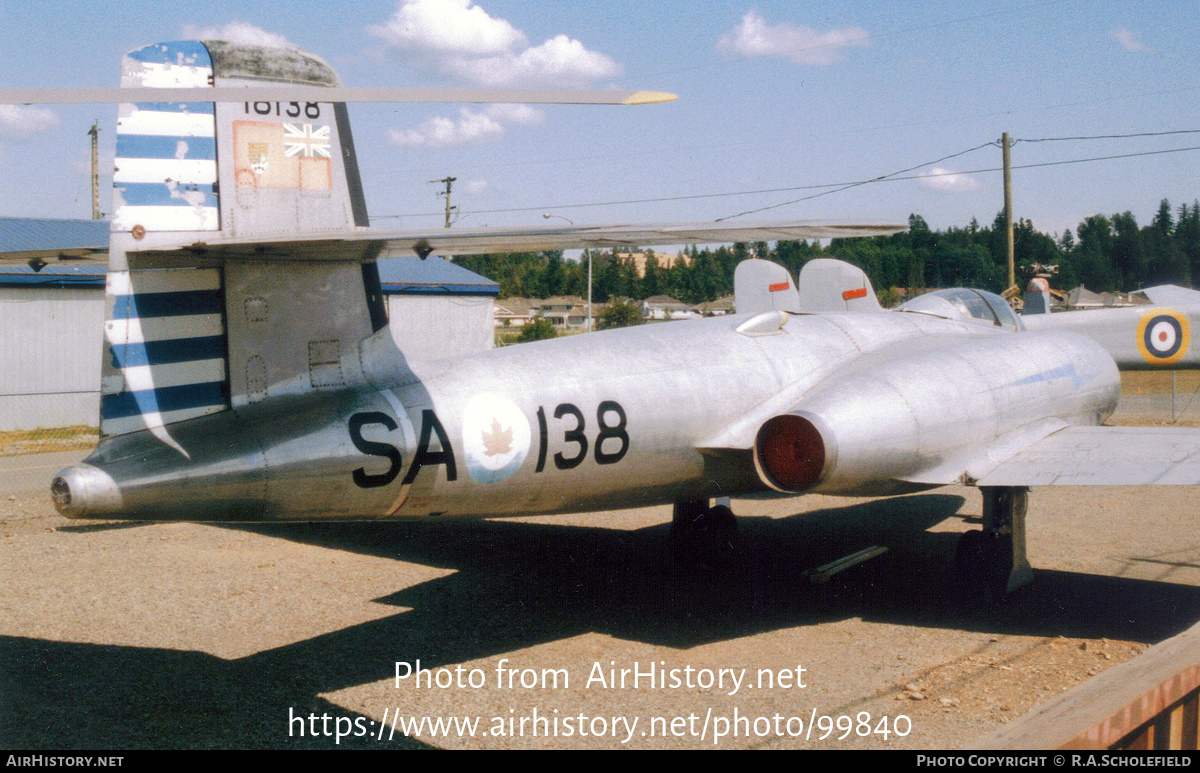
(83, 491)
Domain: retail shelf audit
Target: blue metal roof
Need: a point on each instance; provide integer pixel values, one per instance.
(37, 235)
(432, 275)
(53, 275)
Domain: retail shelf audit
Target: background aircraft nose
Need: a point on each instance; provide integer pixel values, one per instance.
(85, 491)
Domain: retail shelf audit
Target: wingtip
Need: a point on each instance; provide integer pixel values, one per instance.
(650, 98)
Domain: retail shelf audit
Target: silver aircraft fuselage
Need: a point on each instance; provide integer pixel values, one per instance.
(623, 418)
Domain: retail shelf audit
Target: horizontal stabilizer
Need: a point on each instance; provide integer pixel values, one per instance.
(1105, 456)
(288, 93)
(364, 245)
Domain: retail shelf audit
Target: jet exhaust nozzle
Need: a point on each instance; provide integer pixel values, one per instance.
(792, 454)
(83, 491)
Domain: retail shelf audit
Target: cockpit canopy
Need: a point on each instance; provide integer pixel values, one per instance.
(965, 304)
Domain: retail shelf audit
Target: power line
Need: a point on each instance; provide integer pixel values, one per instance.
(1109, 136)
(694, 196)
(893, 177)
(939, 121)
(881, 178)
(689, 197)
(1085, 160)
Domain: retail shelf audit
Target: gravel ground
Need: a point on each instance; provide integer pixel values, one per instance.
(186, 636)
(182, 635)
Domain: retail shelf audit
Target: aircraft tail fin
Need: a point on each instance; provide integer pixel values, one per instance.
(1037, 297)
(186, 335)
(760, 285)
(834, 285)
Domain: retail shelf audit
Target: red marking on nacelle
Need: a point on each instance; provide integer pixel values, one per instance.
(851, 294)
(779, 286)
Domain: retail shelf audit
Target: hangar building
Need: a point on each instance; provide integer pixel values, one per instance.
(52, 318)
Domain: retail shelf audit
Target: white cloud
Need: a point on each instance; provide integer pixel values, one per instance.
(477, 187)
(458, 38)
(523, 115)
(1129, 41)
(560, 61)
(471, 127)
(237, 32)
(945, 181)
(803, 45)
(454, 27)
(18, 122)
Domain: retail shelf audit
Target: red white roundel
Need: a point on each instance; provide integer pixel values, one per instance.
(1163, 337)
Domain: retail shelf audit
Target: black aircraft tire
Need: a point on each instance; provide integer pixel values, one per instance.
(999, 566)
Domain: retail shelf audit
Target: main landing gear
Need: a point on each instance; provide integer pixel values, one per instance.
(993, 561)
(703, 537)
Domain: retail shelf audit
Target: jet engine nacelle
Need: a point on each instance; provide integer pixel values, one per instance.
(928, 415)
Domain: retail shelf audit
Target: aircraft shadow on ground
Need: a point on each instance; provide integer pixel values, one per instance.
(88, 528)
(517, 585)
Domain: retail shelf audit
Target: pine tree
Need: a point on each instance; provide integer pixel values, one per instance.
(1127, 254)
(1187, 237)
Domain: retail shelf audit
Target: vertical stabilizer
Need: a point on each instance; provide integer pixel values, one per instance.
(1037, 297)
(760, 285)
(187, 338)
(834, 285)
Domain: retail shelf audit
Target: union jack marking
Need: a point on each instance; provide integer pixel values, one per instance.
(305, 140)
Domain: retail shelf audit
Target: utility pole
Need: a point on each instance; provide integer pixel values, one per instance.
(1008, 215)
(95, 134)
(448, 181)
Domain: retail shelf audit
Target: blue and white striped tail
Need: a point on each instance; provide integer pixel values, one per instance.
(166, 166)
(165, 338)
(165, 348)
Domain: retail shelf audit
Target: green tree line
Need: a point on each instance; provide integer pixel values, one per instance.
(1104, 253)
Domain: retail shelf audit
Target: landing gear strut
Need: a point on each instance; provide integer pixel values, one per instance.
(703, 537)
(994, 560)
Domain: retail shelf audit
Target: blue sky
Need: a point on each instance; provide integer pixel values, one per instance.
(771, 95)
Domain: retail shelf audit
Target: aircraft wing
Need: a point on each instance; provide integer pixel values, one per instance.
(1104, 456)
(290, 92)
(367, 244)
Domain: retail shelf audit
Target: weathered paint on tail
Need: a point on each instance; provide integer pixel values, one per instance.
(190, 338)
(166, 166)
